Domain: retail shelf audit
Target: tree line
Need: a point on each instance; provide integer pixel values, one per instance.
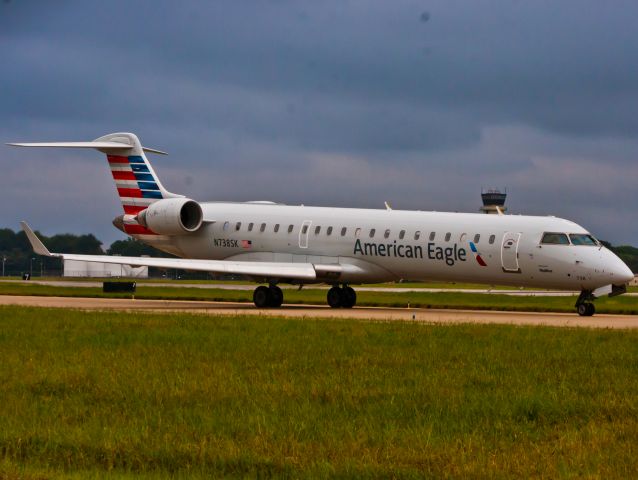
(19, 258)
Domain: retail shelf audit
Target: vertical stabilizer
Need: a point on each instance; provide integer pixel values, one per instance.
(137, 183)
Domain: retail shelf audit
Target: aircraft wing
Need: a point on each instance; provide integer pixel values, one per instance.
(307, 272)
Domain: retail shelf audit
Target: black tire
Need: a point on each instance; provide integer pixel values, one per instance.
(335, 297)
(261, 297)
(276, 296)
(349, 297)
(586, 309)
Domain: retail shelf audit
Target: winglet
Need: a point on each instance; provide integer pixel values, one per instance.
(38, 246)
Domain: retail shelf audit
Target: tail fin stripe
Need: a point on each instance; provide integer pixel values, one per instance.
(148, 186)
(130, 192)
(140, 168)
(117, 159)
(144, 177)
(136, 159)
(148, 194)
(133, 209)
(123, 175)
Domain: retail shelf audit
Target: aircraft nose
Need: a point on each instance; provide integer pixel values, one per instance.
(619, 271)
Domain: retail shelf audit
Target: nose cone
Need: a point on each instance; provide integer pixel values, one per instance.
(619, 271)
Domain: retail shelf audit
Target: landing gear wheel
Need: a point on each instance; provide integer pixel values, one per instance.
(349, 297)
(276, 296)
(261, 297)
(586, 309)
(335, 297)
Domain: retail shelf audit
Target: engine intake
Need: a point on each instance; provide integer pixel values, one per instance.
(172, 216)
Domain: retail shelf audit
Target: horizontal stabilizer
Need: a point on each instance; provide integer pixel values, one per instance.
(104, 146)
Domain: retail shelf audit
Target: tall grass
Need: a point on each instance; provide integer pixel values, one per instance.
(94, 394)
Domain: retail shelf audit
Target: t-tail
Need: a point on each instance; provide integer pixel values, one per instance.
(136, 182)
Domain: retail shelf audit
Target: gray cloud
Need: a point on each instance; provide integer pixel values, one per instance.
(344, 103)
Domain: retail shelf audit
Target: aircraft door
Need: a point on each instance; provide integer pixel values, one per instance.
(509, 252)
(303, 233)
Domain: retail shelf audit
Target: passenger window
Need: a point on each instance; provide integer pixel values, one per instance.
(250, 227)
(448, 235)
(386, 234)
(237, 226)
(583, 239)
(263, 227)
(555, 239)
(276, 228)
(401, 234)
(492, 238)
(304, 229)
(329, 231)
(432, 235)
(317, 230)
(357, 232)
(226, 226)
(477, 237)
(343, 231)
(372, 232)
(290, 227)
(417, 235)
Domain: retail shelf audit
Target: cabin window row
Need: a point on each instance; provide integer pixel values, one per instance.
(357, 232)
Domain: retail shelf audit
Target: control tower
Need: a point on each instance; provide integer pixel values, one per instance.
(493, 201)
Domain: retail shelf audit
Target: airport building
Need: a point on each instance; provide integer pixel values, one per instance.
(76, 268)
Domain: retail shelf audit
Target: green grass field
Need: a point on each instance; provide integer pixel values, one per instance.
(94, 394)
(478, 301)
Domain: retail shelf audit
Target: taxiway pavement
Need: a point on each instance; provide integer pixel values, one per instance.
(437, 316)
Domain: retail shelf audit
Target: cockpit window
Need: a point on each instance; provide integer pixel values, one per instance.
(583, 239)
(555, 239)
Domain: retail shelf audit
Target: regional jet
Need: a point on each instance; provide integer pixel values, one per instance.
(274, 244)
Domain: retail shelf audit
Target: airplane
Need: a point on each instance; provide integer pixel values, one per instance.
(273, 244)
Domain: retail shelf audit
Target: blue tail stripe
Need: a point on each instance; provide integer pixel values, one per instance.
(135, 159)
(151, 194)
(148, 186)
(139, 167)
(144, 177)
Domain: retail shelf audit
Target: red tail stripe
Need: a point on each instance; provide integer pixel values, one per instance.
(117, 159)
(138, 230)
(133, 209)
(123, 175)
(130, 192)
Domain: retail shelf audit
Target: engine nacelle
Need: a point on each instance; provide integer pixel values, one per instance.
(172, 216)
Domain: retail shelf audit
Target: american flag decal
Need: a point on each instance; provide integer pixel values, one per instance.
(246, 244)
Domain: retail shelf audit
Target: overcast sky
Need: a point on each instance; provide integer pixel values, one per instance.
(335, 103)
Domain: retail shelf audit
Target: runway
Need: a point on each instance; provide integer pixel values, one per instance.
(439, 316)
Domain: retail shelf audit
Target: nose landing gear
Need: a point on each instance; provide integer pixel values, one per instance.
(584, 305)
(344, 297)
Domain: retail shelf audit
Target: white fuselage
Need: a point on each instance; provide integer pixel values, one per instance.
(389, 245)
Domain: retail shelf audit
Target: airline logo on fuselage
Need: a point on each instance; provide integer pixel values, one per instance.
(449, 255)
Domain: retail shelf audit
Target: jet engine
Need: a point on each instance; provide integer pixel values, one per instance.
(172, 216)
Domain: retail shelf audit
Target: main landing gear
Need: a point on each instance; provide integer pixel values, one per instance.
(584, 305)
(265, 297)
(344, 297)
(273, 297)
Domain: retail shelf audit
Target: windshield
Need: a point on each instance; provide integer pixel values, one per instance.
(552, 238)
(583, 239)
